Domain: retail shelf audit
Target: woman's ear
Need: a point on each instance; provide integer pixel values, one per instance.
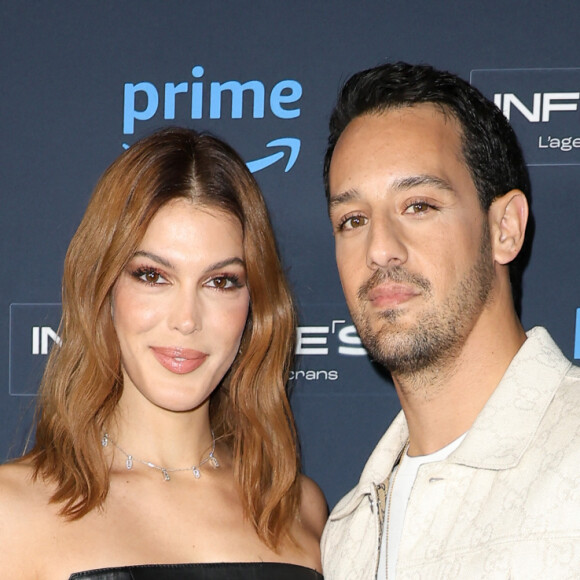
(508, 216)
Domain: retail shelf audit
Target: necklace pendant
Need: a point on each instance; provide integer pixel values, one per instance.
(195, 469)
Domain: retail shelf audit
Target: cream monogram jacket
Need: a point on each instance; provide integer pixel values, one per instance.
(505, 504)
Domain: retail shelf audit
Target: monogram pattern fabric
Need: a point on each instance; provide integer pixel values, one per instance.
(505, 504)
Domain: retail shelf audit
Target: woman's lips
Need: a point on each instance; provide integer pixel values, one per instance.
(179, 360)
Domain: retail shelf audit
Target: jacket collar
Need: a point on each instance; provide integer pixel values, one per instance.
(378, 467)
(506, 425)
(519, 402)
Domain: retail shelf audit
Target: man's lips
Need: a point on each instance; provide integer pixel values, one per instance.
(391, 294)
(179, 360)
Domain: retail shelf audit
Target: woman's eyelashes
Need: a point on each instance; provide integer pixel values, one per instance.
(225, 282)
(149, 275)
(153, 276)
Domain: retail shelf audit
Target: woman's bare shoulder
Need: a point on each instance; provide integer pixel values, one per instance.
(21, 493)
(16, 478)
(313, 508)
(23, 511)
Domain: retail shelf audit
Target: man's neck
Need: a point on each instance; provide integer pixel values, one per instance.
(442, 402)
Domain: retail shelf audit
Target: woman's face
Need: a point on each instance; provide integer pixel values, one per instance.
(180, 306)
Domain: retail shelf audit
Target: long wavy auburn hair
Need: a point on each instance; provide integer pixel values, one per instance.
(83, 382)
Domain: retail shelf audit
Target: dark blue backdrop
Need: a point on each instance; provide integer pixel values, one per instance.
(81, 80)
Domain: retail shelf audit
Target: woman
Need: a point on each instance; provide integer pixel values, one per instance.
(165, 440)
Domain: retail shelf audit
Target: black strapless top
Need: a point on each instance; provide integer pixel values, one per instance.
(211, 571)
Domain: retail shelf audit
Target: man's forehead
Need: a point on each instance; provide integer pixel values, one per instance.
(418, 126)
(438, 113)
(399, 149)
(421, 125)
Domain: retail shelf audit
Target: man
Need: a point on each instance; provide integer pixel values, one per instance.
(479, 475)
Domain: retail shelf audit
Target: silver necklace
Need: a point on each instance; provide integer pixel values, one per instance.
(195, 469)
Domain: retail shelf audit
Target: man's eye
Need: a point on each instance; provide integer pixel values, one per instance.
(418, 207)
(352, 222)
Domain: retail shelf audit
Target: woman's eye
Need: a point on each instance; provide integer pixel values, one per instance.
(352, 222)
(224, 282)
(221, 283)
(149, 276)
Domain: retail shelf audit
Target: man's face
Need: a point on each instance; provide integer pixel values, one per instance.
(412, 242)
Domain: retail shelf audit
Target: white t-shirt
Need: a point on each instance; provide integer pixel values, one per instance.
(400, 486)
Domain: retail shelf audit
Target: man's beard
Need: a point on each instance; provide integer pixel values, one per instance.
(438, 335)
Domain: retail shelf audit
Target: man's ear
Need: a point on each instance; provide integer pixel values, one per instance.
(508, 216)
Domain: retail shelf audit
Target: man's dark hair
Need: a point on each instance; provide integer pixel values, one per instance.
(489, 145)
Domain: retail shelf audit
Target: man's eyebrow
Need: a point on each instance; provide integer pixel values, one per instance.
(402, 184)
(417, 180)
(341, 198)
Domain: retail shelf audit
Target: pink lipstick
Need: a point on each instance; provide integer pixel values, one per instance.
(179, 360)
